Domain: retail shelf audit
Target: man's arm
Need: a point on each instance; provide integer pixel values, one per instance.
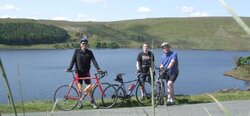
(72, 61)
(94, 62)
(138, 65)
(138, 60)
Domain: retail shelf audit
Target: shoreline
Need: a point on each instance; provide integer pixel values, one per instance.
(51, 48)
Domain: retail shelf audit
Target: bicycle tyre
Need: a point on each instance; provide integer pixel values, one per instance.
(148, 93)
(110, 97)
(121, 95)
(157, 93)
(64, 103)
(100, 100)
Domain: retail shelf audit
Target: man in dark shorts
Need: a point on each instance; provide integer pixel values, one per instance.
(82, 60)
(170, 70)
(145, 60)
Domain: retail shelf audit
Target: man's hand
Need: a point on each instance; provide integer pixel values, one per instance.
(99, 70)
(67, 70)
(138, 71)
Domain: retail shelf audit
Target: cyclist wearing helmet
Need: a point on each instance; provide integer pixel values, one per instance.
(82, 60)
(145, 60)
(170, 71)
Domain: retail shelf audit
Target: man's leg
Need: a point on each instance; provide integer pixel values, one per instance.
(170, 83)
(79, 84)
(170, 91)
(142, 86)
(79, 88)
(88, 83)
(142, 89)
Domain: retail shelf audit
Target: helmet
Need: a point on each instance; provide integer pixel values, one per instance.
(165, 44)
(84, 41)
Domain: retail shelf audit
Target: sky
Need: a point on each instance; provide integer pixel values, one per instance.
(117, 10)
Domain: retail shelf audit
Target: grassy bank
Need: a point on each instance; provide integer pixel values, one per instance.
(242, 73)
(47, 106)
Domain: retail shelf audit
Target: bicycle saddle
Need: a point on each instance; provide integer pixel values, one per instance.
(119, 77)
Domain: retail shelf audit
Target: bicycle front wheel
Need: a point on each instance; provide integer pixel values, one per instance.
(66, 97)
(159, 98)
(143, 94)
(108, 99)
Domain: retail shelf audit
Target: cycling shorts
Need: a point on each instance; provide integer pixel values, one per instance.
(83, 75)
(171, 77)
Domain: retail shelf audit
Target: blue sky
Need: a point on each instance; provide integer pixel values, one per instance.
(115, 10)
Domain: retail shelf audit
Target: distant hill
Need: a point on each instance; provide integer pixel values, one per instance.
(25, 33)
(210, 33)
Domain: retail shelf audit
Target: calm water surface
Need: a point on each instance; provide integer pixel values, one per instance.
(42, 71)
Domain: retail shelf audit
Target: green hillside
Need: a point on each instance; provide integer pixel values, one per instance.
(211, 33)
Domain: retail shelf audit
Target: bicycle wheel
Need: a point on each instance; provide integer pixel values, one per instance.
(104, 101)
(64, 102)
(121, 95)
(146, 99)
(159, 94)
(110, 97)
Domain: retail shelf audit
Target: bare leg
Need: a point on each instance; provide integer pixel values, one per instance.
(79, 88)
(170, 89)
(142, 92)
(91, 94)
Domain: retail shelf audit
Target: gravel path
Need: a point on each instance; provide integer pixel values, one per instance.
(236, 108)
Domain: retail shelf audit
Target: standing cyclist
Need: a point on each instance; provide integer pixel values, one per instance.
(145, 60)
(170, 71)
(82, 60)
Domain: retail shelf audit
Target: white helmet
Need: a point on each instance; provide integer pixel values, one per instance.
(165, 44)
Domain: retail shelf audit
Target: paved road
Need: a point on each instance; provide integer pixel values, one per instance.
(236, 108)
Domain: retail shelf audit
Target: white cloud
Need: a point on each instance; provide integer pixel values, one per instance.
(7, 16)
(192, 11)
(59, 18)
(187, 9)
(143, 9)
(93, 1)
(199, 14)
(9, 7)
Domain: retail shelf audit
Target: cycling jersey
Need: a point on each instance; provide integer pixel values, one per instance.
(82, 60)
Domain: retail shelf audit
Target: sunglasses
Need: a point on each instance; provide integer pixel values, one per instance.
(84, 43)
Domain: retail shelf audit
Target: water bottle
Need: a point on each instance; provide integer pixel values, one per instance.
(131, 87)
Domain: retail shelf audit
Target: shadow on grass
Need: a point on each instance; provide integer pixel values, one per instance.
(186, 99)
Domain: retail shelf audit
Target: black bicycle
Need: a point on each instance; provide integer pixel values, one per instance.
(159, 89)
(142, 93)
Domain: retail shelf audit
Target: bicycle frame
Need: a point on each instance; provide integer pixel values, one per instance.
(122, 85)
(161, 80)
(75, 80)
(138, 83)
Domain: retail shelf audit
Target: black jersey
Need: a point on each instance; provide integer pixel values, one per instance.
(82, 60)
(144, 60)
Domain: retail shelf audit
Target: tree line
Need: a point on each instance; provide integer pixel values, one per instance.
(25, 33)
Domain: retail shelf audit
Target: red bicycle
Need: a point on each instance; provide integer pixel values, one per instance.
(67, 97)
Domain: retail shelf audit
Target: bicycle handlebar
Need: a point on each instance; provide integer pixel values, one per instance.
(158, 68)
(101, 74)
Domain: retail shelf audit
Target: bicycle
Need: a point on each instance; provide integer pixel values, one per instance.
(122, 95)
(67, 97)
(159, 89)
